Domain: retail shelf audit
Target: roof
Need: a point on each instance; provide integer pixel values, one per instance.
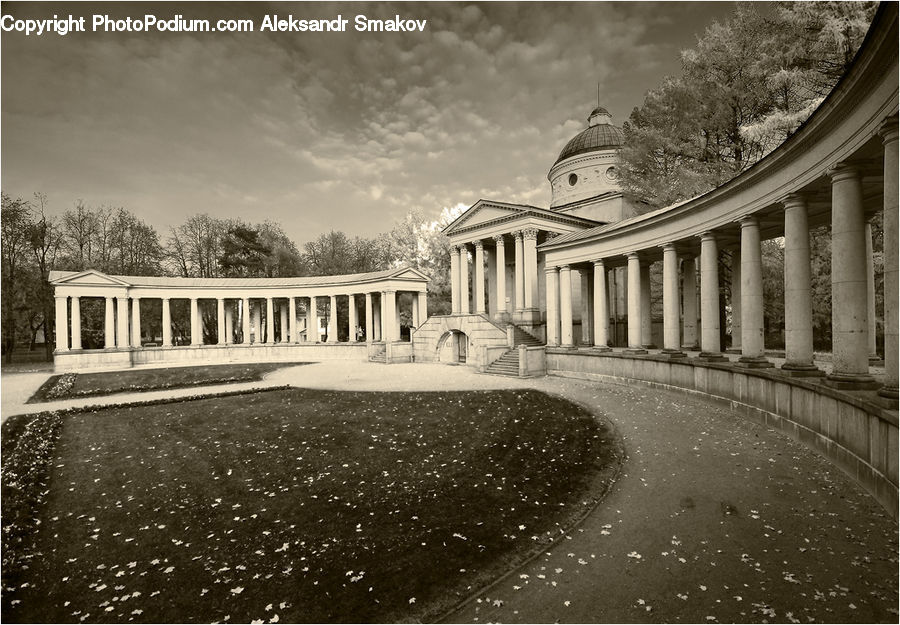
(514, 211)
(597, 137)
(406, 272)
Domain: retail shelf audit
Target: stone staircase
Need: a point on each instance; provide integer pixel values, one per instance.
(507, 364)
(521, 337)
(380, 355)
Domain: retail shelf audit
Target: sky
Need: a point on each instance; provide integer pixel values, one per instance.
(322, 131)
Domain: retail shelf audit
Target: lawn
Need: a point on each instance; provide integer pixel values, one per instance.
(70, 385)
(300, 505)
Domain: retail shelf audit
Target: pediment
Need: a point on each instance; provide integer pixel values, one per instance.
(410, 274)
(90, 277)
(482, 213)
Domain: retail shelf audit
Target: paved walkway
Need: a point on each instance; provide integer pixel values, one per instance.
(714, 519)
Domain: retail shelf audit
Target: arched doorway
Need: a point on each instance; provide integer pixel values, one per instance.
(453, 347)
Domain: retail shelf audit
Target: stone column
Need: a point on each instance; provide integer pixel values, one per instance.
(385, 332)
(196, 339)
(62, 324)
(135, 321)
(270, 321)
(376, 318)
(454, 279)
(292, 319)
(565, 306)
(397, 333)
(332, 320)
(490, 273)
(798, 334)
(167, 323)
(646, 313)
(552, 278)
(520, 272)
(689, 302)
(870, 296)
(312, 321)
(369, 327)
(282, 320)
(352, 322)
(587, 306)
(671, 301)
(414, 303)
(601, 310)
(245, 321)
(891, 244)
(850, 345)
(501, 274)
(736, 301)
(634, 305)
(710, 342)
(753, 348)
(529, 244)
(229, 323)
(220, 321)
(122, 338)
(76, 322)
(109, 326)
(423, 306)
(478, 277)
(390, 315)
(464, 280)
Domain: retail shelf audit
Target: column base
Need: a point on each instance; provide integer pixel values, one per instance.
(601, 348)
(690, 348)
(733, 350)
(797, 370)
(635, 351)
(851, 382)
(649, 346)
(712, 357)
(673, 354)
(754, 362)
(875, 361)
(889, 392)
(567, 346)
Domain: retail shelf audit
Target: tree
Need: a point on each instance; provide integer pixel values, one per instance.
(44, 240)
(15, 221)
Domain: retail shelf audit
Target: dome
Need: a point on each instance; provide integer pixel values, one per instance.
(593, 138)
(599, 111)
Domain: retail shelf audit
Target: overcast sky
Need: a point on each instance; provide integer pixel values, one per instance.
(321, 131)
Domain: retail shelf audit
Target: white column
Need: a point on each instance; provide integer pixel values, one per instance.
(312, 321)
(646, 318)
(135, 321)
(464, 279)
(850, 328)
(122, 338)
(229, 323)
(414, 302)
(454, 279)
(76, 322)
(870, 294)
(553, 299)
(220, 321)
(196, 338)
(109, 326)
(283, 322)
(332, 320)
(520, 272)
(587, 306)
(710, 342)
(270, 320)
(634, 302)
(370, 336)
(736, 299)
(601, 310)
(62, 324)
(351, 319)
(167, 322)
(753, 348)
(891, 245)
(490, 273)
(798, 334)
(501, 274)
(689, 302)
(256, 321)
(530, 280)
(423, 306)
(389, 313)
(671, 301)
(566, 338)
(245, 320)
(478, 276)
(376, 316)
(292, 319)
(397, 333)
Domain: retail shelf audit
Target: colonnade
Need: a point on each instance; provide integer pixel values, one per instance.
(523, 299)
(851, 283)
(254, 315)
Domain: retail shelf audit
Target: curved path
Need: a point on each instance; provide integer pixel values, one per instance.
(714, 518)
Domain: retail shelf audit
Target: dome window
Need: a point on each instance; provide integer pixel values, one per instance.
(573, 178)
(612, 173)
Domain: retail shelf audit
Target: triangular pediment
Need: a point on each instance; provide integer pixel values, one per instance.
(90, 277)
(483, 212)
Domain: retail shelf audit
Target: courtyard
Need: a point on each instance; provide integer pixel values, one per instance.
(711, 518)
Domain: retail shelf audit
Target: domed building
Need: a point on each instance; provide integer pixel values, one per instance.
(584, 179)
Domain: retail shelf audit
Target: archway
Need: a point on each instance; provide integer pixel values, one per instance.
(453, 347)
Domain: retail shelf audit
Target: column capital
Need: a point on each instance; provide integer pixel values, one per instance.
(478, 243)
(599, 263)
(551, 269)
(709, 235)
(564, 268)
(888, 130)
(794, 200)
(667, 246)
(498, 239)
(842, 171)
(633, 256)
(530, 233)
(517, 235)
(749, 221)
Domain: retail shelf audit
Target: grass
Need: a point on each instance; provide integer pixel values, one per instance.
(71, 385)
(302, 506)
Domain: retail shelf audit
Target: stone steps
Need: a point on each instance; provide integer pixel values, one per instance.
(507, 364)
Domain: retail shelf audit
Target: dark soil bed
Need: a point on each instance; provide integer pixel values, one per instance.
(70, 385)
(301, 506)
